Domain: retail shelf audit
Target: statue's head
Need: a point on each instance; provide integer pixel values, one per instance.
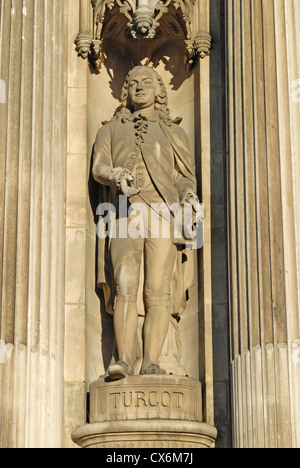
(144, 88)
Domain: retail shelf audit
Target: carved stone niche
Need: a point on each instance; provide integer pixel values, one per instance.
(143, 411)
(143, 23)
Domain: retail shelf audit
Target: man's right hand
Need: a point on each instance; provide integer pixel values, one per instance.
(123, 179)
(126, 183)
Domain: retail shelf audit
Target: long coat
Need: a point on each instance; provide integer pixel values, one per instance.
(168, 159)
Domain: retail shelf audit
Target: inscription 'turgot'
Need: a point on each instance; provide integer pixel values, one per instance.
(153, 399)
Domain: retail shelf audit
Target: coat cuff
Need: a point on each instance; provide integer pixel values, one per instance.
(116, 175)
(189, 194)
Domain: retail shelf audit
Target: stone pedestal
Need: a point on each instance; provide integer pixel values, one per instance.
(146, 412)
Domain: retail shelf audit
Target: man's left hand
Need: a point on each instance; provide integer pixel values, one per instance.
(193, 200)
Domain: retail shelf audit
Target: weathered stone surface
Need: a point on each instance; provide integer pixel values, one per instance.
(146, 434)
(32, 176)
(146, 397)
(146, 411)
(263, 189)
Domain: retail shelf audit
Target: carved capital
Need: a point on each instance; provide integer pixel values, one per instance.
(190, 50)
(96, 54)
(83, 45)
(143, 24)
(145, 17)
(198, 47)
(202, 44)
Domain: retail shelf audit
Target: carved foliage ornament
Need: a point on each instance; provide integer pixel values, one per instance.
(143, 16)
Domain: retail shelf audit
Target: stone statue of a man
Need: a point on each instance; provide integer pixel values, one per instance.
(143, 155)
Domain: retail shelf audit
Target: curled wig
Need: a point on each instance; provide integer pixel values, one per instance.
(161, 99)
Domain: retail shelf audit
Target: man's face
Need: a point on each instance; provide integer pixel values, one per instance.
(142, 89)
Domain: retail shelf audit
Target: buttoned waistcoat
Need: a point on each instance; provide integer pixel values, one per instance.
(165, 151)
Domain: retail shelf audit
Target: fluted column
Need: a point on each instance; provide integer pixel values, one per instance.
(287, 33)
(262, 63)
(76, 13)
(203, 152)
(31, 222)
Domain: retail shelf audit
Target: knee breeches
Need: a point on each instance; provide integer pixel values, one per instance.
(159, 260)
